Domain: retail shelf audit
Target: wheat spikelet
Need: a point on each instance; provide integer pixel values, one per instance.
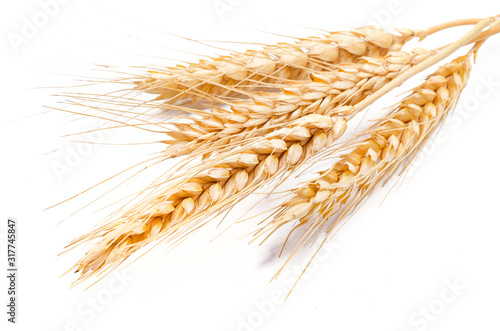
(345, 85)
(278, 63)
(391, 143)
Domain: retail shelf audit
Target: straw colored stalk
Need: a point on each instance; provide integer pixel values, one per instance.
(390, 144)
(226, 75)
(346, 84)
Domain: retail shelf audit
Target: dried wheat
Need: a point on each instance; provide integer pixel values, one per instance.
(226, 177)
(346, 84)
(280, 63)
(390, 144)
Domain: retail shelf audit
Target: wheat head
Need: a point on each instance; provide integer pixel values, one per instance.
(225, 76)
(388, 145)
(346, 84)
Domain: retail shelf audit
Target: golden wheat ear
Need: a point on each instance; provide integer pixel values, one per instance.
(125, 107)
(344, 85)
(179, 205)
(388, 145)
(223, 114)
(226, 76)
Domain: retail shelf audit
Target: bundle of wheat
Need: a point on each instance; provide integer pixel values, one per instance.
(308, 92)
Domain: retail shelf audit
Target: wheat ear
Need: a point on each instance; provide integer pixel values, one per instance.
(217, 184)
(280, 63)
(359, 45)
(376, 42)
(388, 145)
(345, 85)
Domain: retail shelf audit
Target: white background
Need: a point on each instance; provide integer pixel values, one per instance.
(387, 265)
